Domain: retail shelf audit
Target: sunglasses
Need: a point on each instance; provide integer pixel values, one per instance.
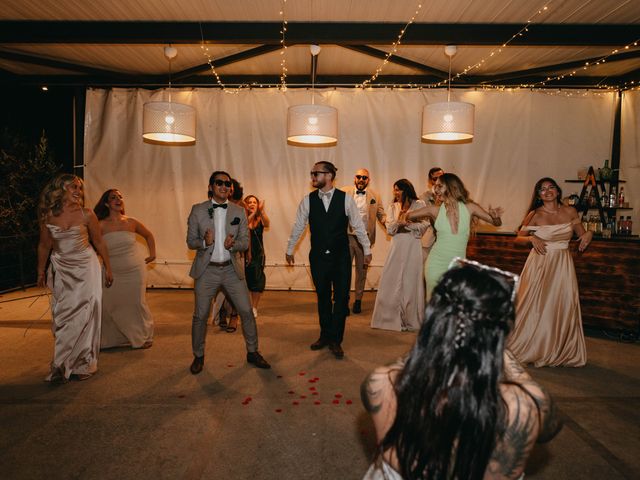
(362, 177)
(315, 173)
(511, 278)
(219, 183)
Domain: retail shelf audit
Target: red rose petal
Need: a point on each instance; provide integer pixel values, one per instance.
(295, 403)
(336, 401)
(312, 388)
(338, 395)
(291, 392)
(303, 396)
(314, 393)
(248, 399)
(316, 378)
(230, 365)
(181, 396)
(302, 373)
(279, 376)
(278, 410)
(317, 402)
(349, 402)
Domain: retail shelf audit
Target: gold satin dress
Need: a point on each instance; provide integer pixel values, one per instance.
(126, 319)
(75, 280)
(548, 328)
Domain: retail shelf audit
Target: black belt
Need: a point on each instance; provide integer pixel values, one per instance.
(220, 264)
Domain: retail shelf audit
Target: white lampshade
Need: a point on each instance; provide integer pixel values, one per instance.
(448, 121)
(312, 126)
(169, 123)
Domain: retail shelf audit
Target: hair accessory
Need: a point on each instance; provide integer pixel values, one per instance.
(512, 277)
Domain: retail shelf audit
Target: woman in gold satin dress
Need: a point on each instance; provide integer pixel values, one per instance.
(74, 277)
(548, 329)
(126, 318)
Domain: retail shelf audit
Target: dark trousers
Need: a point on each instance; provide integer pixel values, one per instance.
(331, 275)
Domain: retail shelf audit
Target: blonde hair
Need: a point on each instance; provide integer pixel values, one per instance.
(51, 198)
(455, 189)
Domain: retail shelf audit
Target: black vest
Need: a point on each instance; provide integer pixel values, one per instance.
(328, 228)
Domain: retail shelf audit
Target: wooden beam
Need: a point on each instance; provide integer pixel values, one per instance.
(339, 33)
(398, 60)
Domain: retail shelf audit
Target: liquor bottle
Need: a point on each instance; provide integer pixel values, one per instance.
(612, 197)
(621, 225)
(605, 172)
(621, 197)
(612, 225)
(605, 199)
(628, 225)
(585, 224)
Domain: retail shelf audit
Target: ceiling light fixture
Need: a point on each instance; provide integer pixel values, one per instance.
(169, 123)
(312, 125)
(448, 122)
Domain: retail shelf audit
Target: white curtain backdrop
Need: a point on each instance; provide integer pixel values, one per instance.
(520, 137)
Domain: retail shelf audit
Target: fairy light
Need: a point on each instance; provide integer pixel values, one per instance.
(283, 50)
(394, 49)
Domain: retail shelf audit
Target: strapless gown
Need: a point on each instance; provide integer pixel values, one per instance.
(126, 319)
(548, 329)
(448, 245)
(75, 280)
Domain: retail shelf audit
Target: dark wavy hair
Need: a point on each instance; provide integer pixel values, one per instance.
(101, 210)
(408, 192)
(449, 410)
(535, 198)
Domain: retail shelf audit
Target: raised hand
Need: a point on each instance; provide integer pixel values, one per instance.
(208, 237)
(229, 241)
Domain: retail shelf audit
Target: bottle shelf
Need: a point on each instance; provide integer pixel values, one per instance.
(582, 181)
(605, 208)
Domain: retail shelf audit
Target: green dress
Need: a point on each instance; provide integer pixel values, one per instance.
(448, 245)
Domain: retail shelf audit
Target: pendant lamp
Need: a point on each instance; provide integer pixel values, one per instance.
(169, 123)
(448, 122)
(312, 125)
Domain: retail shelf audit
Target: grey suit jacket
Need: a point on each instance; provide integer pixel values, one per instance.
(376, 212)
(198, 223)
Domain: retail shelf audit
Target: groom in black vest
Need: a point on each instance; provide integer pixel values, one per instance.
(329, 212)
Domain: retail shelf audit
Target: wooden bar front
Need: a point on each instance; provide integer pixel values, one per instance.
(608, 275)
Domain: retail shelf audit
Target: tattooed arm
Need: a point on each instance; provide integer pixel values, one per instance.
(379, 399)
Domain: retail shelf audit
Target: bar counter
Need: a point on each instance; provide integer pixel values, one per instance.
(608, 275)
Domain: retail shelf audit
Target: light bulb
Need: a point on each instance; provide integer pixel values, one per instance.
(169, 119)
(448, 117)
(313, 120)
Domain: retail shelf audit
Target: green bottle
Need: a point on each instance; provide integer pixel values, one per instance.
(605, 172)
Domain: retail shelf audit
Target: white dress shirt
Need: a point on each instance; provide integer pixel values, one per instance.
(219, 254)
(361, 203)
(350, 210)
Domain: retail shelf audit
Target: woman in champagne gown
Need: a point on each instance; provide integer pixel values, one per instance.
(74, 277)
(400, 300)
(126, 319)
(452, 223)
(548, 329)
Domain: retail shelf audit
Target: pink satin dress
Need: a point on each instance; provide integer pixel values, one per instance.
(548, 329)
(74, 278)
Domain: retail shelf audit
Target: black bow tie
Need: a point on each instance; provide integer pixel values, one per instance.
(221, 205)
(360, 192)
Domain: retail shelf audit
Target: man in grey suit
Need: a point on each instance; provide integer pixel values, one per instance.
(217, 230)
(370, 209)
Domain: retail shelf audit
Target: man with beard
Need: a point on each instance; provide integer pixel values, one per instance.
(429, 198)
(329, 212)
(370, 209)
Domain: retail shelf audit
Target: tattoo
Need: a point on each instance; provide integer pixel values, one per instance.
(511, 451)
(371, 394)
(550, 421)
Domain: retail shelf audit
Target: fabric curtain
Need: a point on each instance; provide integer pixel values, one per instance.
(520, 136)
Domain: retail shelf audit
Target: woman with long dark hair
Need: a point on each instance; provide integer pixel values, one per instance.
(400, 300)
(126, 319)
(67, 230)
(459, 406)
(452, 221)
(548, 330)
(257, 221)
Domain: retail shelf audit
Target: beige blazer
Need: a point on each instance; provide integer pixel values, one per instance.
(376, 212)
(198, 223)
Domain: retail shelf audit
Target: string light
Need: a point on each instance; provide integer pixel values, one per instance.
(283, 51)
(394, 48)
(224, 88)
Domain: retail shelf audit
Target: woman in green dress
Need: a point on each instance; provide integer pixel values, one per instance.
(452, 223)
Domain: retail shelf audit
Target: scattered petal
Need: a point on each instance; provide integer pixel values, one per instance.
(349, 402)
(336, 401)
(302, 374)
(295, 402)
(279, 376)
(303, 396)
(317, 402)
(338, 395)
(314, 393)
(181, 396)
(291, 392)
(278, 410)
(312, 388)
(230, 365)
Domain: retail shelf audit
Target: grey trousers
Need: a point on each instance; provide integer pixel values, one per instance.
(356, 251)
(213, 279)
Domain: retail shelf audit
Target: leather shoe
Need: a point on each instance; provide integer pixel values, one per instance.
(336, 349)
(319, 344)
(258, 360)
(196, 365)
(357, 306)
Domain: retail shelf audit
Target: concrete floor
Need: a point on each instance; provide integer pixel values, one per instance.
(144, 416)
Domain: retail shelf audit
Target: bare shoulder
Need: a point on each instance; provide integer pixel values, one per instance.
(377, 387)
(569, 211)
(530, 219)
